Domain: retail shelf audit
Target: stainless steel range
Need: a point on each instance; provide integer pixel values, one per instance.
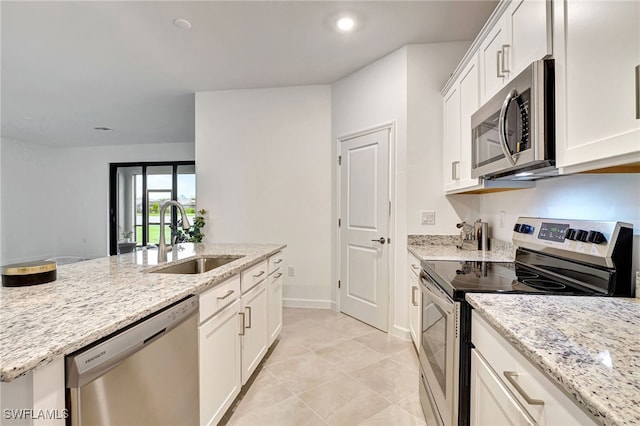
(553, 256)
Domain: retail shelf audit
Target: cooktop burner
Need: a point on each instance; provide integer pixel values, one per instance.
(458, 278)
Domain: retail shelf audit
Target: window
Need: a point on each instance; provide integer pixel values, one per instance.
(137, 192)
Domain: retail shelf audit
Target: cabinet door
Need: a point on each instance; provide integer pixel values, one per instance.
(469, 103)
(415, 302)
(254, 340)
(528, 34)
(596, 88)
(219, 363)
(491, 403)
(275, 305)
(451, 138)
(491, 61)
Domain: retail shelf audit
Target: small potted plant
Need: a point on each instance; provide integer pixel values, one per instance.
(193, 234)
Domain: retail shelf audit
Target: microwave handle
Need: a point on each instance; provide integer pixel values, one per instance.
(638, 92)
(502, 126)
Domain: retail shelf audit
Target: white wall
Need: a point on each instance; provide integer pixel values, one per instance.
(403, 87)
(583, 196)
(429, 68)
(375, 95)
(264, 174)
(55, 201)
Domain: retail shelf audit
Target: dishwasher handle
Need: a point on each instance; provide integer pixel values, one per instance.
(96, 360)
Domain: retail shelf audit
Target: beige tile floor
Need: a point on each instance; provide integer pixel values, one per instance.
(330, 369)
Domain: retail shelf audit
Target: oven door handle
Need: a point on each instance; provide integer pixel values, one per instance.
(444, 304)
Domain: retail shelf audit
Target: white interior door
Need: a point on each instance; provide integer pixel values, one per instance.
(364, 229)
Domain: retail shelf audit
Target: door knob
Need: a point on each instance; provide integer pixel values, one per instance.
(381, 240)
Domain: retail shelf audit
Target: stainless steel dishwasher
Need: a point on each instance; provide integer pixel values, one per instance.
(146, 374)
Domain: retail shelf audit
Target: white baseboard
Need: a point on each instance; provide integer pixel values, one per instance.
(401, 333)
(308, 303)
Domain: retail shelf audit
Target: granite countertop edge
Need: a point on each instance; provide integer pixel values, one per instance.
(16, 361)
(587, 399)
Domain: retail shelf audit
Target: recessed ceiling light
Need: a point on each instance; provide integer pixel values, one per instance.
(103, 129)
(182, 23)
(345, 24)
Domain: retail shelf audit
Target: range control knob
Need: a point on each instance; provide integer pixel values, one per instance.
(526, 229)
(596, 237)
(570, 234)
(581, 235)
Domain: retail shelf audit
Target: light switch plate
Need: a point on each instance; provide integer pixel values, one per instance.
(428, 217)
(291, 271)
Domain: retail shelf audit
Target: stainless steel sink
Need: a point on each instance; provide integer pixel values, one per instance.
(197, 266)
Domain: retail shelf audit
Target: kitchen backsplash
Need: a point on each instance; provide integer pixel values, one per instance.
(432, 240)
(497, 246)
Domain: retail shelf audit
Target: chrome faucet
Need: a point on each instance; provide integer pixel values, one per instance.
(162, 245)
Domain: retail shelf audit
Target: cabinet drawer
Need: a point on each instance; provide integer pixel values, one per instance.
(540, 397)
(414, 264)
(252, 276)
(275, 262)
(215, 299)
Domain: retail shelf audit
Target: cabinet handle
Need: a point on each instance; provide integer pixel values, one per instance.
(278, 275)
(638, 92)
(414, 301)
(278, 261)
(415, 267)
(510, 375)
(261, 273)
(243, 324)
(455, 167)
(505, 60)
(227, 294)
(248, 308)
(499, 60)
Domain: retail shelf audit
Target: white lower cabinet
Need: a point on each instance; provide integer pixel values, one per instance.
(507, 389)
(220, 366)
(254, 329)
(415, 302)
(491, 401)
(235, 332)
(275, 305)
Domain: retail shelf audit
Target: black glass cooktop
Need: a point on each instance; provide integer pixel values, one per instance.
(457, 278)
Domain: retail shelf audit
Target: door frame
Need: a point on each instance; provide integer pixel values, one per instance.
(391, 126)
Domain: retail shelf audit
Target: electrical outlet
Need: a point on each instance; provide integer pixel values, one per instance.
(291, 271)
(428, 217)
(502, 214)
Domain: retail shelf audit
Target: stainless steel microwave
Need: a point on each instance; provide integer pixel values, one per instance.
(513, 134)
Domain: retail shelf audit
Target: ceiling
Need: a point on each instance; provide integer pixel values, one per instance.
(68, 67)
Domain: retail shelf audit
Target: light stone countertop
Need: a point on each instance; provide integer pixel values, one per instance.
(443, 247)
(589, 345)
(92, 299)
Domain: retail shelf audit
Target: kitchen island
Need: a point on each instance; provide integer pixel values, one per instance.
(586, 345)
(93, 299)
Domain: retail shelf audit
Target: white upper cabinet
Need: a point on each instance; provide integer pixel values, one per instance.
(460, 102)
(492, 60)
(520, 36)
(451, 140)
(597, 50)
(469, 103)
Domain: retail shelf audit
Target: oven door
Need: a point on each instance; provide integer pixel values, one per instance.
(439, 350)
